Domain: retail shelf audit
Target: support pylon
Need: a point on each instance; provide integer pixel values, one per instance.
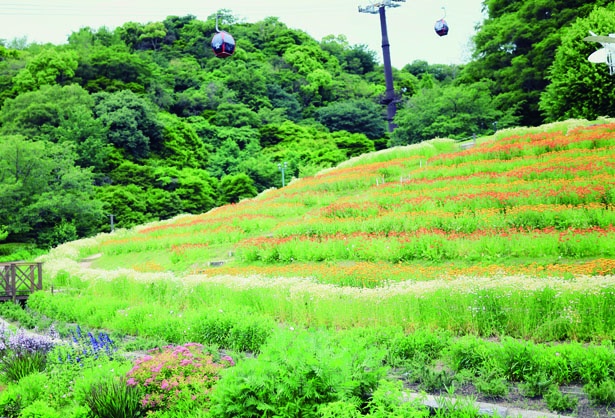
(389, 97)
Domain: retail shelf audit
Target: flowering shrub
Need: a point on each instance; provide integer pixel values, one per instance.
(23, 353)
(176, 373)
(23, 342)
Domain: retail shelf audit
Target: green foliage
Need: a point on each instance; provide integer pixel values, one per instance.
(560, 402)
(536, 384)
(130, 122)
(31, 388)
(42, 188)
(294, 374)
(15, 366)
(39, 409)
(181, 145)
(602, 393)
(49, 67)
(451, 406)
(388, 401)
(234, 188)
(449, 112)
(10, 403)
(492, 386)
(579, 88)
(114, 398)
(434, 380)
(355, 116)
(235, 115)
(515, 46)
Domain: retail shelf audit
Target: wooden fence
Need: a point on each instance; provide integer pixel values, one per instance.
(18, 280)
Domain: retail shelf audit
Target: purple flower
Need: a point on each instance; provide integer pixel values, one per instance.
(24, 342)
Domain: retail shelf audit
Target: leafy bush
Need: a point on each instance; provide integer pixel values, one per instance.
(559, 402)
(492, 385)
(14, 366)
(339, 409)
(388, 401)
(236, 332)
(432, 380)
(601, 393)
(10, 403)
(14, 312)
(535, 385)
(469, 353)
(39, 409)
(452, 407)
(31, 388)
(425, 345)
(174, 374)
(113, 398)
(295, 374)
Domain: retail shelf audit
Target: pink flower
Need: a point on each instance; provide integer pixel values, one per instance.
(131, 382)
(229, 359)
(185, 362)
(157, 368)
(165, 385)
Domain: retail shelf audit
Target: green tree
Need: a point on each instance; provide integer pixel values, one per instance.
(236, 187)
(45, 198)
(127, 204)
(58, 114)
(153, 35)
(196, 190)
(249, 81)
(448, 111)
(353, 144)
(515, 46)
(131, 122)
(112, 69)
(235, 115)
(579, 88)
(181, 146)
(355, 116)
(51, 66)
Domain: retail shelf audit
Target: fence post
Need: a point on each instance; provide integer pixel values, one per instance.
(13, 285)
(31, 277)
(39, 268)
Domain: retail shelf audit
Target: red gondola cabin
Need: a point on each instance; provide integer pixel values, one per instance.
(441, 27)
(223, 44)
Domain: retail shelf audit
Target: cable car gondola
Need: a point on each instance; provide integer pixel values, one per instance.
(441, 27)
(222, 43)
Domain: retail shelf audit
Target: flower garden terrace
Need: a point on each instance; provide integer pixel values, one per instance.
(427, 217)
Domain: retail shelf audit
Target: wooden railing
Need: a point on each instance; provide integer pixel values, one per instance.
(18, 280)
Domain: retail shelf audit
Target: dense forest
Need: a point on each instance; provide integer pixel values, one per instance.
(143, 122)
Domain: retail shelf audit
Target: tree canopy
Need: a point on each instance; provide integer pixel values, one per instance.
(143, 122)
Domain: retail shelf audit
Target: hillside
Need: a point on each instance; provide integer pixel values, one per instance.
(482, 270)
(143, 122)
(527, 212)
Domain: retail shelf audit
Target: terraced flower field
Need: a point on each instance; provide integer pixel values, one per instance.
(518, 231)
(490, 269)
